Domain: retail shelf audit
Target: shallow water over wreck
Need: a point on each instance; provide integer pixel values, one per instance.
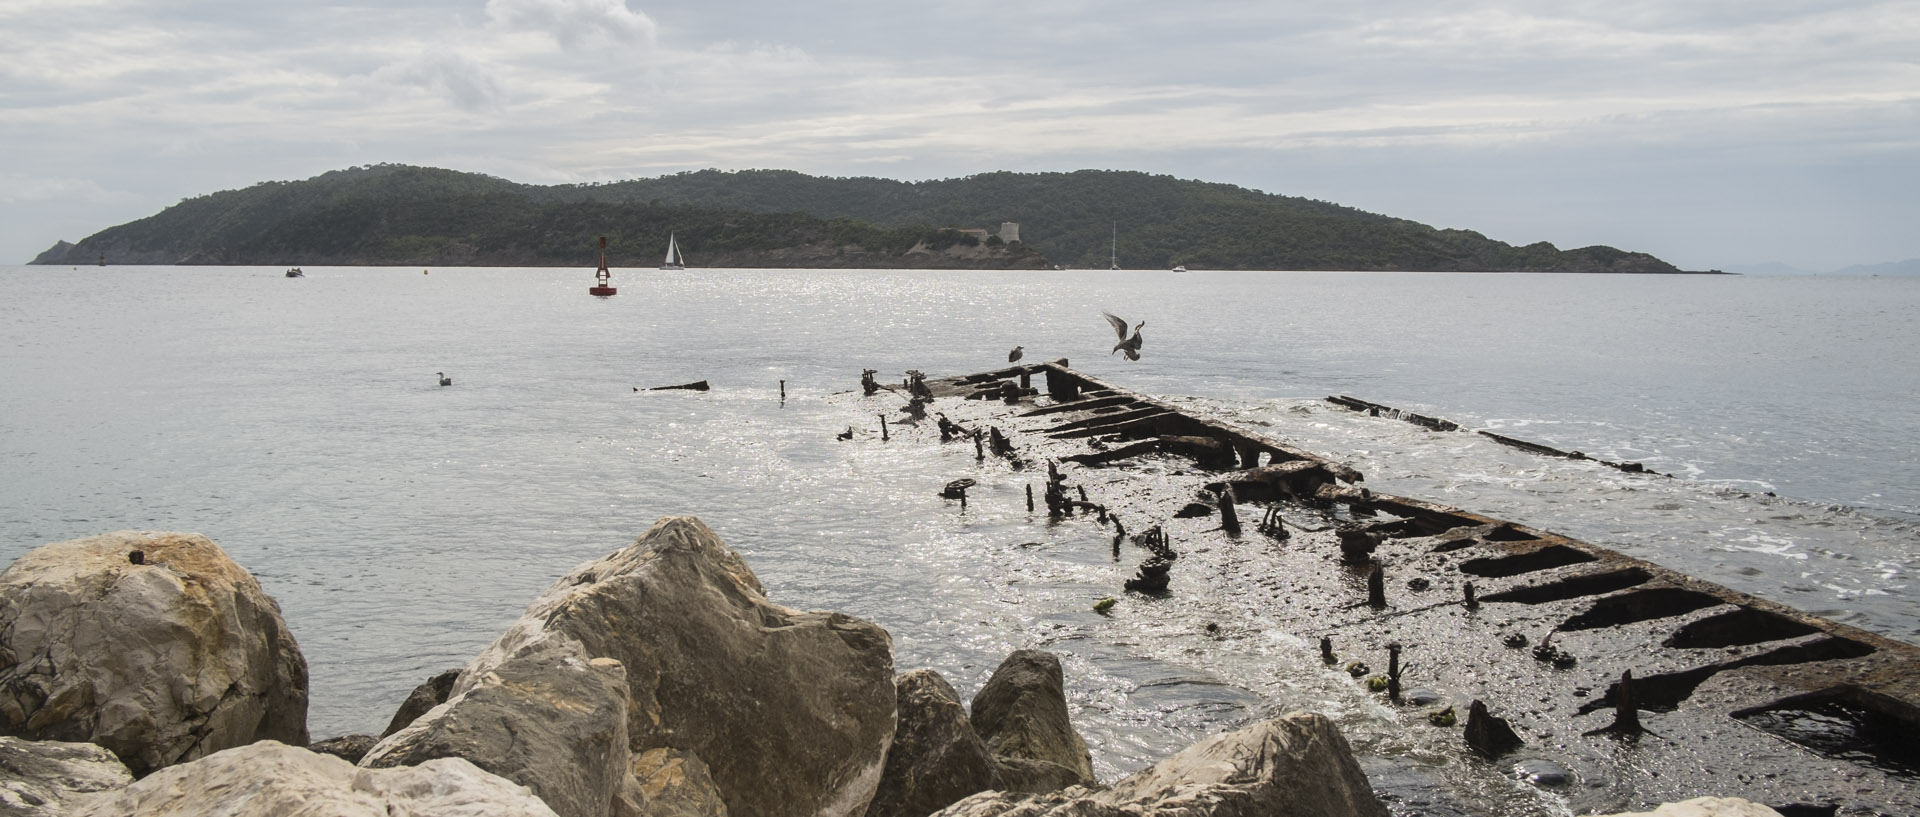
(402, 525)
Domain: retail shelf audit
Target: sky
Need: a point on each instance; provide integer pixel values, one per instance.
(1711, 133)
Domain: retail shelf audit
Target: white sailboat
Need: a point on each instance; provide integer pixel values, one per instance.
(1114, 251)
(674, 259)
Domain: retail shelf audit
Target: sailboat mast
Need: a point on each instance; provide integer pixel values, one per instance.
(1113, 258)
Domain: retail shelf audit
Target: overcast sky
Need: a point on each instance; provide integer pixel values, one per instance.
(1712, 133)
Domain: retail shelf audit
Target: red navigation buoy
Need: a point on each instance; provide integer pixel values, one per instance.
(603, 278)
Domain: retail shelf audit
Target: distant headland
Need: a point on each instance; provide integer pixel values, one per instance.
(403, 215)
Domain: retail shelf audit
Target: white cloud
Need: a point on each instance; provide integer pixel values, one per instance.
(576, 24)
(461, 80)
(18, 188)
(192, 97)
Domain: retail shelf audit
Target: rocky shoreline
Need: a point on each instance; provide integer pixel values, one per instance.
(147, 673)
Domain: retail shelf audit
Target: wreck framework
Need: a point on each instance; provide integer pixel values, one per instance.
(1683, 687)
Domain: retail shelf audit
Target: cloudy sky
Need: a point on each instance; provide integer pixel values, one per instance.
(1712, 133)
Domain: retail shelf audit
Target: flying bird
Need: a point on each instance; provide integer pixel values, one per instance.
(1016, 353)
(444, 379)
(1130, 345)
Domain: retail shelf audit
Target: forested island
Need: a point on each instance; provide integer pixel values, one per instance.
(404, 215)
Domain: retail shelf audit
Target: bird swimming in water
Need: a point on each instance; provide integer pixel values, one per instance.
(1130, 345)
(444, 379)
(1016, 353)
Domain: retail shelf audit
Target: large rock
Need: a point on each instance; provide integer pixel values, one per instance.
(1295, 766)
(1021, 713)
(549, 719)
(163, 657)
(791, 711)
(49, 778)
(271, 779)
(936, 757)
(1707, 807)
(670, 783)
(429, 694)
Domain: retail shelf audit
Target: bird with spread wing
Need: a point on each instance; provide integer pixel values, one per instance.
(1129, 345)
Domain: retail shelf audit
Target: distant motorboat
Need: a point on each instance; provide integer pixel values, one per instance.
(296, 272)
(1180, 268)
(674, 259)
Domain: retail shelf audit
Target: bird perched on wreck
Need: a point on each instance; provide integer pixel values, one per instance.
(1129, 345)
(1014, 355)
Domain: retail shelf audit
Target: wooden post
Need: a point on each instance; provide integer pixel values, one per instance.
(883, 428)
(1393, 672)
(1472, 603)
(1377, 587)
(1229, 517)
(783, 391)
(1029, 497)
(1326, 651)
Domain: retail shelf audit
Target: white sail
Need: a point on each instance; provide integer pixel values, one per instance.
(674, 259)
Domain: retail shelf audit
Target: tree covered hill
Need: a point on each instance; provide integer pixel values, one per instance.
(398, 214)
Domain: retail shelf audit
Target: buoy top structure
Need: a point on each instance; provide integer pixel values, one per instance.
(603, 279)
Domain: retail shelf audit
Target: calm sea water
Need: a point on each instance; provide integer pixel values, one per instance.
(402, 525)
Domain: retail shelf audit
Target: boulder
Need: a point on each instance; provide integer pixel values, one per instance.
(1021, 714)
(154, 645)
(549, 719)
(670, 783)
(791, 711)
(272, 779)
(1707, 807)
(1295, 766)
(428, 695)
(47, 778)
(936, 758)
(350, 748)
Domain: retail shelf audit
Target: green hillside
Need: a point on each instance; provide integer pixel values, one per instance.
(402, 215)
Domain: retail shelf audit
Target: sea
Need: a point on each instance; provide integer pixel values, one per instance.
(402, 524)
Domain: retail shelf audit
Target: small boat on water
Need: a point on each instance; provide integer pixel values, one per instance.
(296, 272)
(674, 259)
(1180, 268)
(602, 277)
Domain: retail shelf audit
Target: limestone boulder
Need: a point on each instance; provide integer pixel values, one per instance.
(549, 718)
(48, 778)
(272, 779)
(791, 711)
(670, 783)
(1707, 807)
(156, 646)
(1295, 766)
(1021, 714)
(936, 758)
